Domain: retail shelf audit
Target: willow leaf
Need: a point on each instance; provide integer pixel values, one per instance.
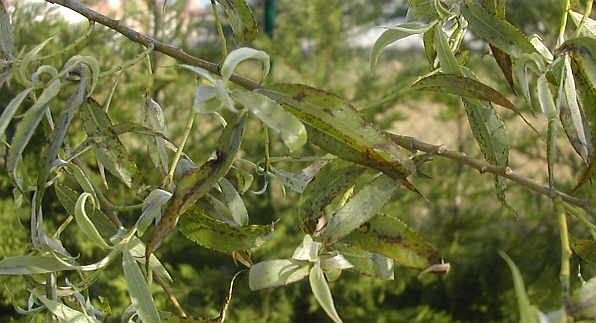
(242, 20)
(215, 234)
(154, 119)
(195, 183)
(28, 124)
(29, 265)
(322, 293)
(528, 313)
(496, 31)
(331, 181)
(361, 207)
(279, 272)
(66, 314)
(393, 238)
(139, 291)
(106, 145)
(338, 128)
(366, 262)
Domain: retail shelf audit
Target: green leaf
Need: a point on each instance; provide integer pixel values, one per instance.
(215, 234)
(337, 127)
(29, 265)
(69, 197)
(106, 145)
(274, 273)
(137, 250)
(239, 55)
(152, 208)
(290, 129)
(393, 238)
(496, 31)
(364, 205)
(331, 181)
(367, 263)
(6, 37)
(487, 127)
(66, 314)
(154, 119)
(85, 224)
(393, 34)
(585, 249)
(27, 126)
(242, 20)
(139, 291)
(234, 202)
(572, 115)
(322, 293)
(528, 313)
(11, 109)
(589, 29)
(195, 183)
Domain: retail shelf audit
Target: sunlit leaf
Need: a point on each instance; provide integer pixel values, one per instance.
(496, 31)
(391, 237)
(11, 109)
(322, 293)
(290, 129)
(195, 183)
(29, 265)
(139, 291)
(393, 34)
(330, 182)
(234, 202)
(364, 205)
(28, 124)
(152, 208)
(66, 314)
(137, 249)
(337, 127)
(106, 145)
(366, 262)
(239, 55)
(154, 119)
(589, 29)
(242, 20)
(280, 272)
(85, 224)
(212, 233)
(69, 197)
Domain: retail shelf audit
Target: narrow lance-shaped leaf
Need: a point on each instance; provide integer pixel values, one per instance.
(234, 202)
(496, 31)
(572, 115)
(289, 128)
(322, 293)
(139, 291)
(29, 265)
(195, 183)
(27, 126)
(154, 119)
(528, 313)
(330, 182)
(66, 314)
(239, 55)
(279, 272)
(393, 238)
(337, 127)
(366, 262)
(215, 234)
(106, 145)
(487, 128)
(242, 20)
(85, 223)
(393, 34)
(364, 205)
(6, 38)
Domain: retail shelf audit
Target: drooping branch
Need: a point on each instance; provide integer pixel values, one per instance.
(406, 142)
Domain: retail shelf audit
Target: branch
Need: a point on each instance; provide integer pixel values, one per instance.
(411, 143)
(146, 41)
(404, 141)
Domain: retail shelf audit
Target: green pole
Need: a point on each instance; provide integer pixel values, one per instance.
(270, 13)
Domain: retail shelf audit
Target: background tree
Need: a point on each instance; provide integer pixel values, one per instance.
(49, 182)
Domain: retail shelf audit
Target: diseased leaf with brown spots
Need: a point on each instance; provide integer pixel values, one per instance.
(242, 20)
(195, 183)
(393, 238)
(106, 145)
(338, 128)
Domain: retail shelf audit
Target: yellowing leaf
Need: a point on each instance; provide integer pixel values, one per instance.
(242, 20)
